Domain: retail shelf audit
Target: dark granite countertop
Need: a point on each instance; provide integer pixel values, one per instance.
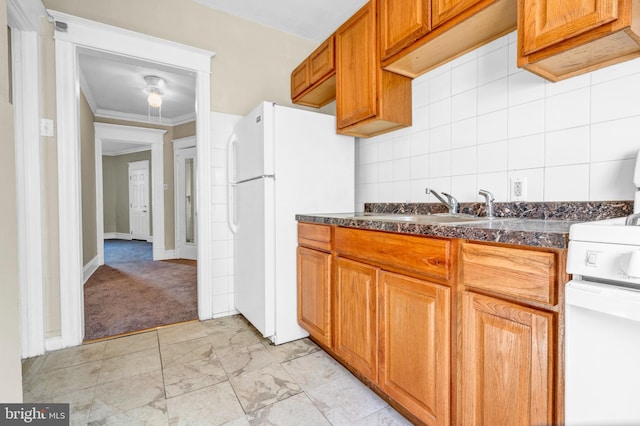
(529, 224)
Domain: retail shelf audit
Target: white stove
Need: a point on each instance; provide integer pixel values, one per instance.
(602, 324)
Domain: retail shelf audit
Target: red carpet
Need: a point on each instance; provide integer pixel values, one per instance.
(124, 297)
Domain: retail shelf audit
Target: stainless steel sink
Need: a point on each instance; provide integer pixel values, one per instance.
(426, 219)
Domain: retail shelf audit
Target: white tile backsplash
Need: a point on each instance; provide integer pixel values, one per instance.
(526, 152)
(493, 96)
(480, 120)
(615, 140)
(569, 146)
(566, 110)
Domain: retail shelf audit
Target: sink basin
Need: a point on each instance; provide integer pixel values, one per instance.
(426, 218)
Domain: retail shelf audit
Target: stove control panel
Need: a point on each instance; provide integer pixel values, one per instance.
(612, 262)
(630, 263)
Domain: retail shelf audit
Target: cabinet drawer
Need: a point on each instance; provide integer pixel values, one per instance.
(526, 274)
(314, 236)
(427, 256)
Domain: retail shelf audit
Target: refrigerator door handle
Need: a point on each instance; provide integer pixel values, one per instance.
(233, 140)
(231, 210)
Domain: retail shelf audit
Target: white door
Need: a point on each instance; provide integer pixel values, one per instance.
(139, 200)
(186, 214)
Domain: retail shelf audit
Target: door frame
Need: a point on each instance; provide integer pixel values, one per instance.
(90, 34)
(23, 17)
(154, 138)
(178, 144)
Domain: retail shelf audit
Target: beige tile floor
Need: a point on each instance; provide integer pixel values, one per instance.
(203, 373)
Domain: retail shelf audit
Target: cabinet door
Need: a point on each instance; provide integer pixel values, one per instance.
(414, 338)
(548, 22)
(401, 22)
(322, 60)
(356, 68)
(300, 79)
(507, 363)
(443, 10)
(314, 294)
(355, 316)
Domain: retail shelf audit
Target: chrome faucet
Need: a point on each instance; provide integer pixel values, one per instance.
(451, 203)
(489, 199)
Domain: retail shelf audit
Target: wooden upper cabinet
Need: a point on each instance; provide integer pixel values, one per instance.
(411, 47)
(369, 101)
(401, 22)
(562, 39)
(547, 22)
(322, 60)
(313, 82)
(357, 74)
(507, 363)
(444, 10)
(300, 79)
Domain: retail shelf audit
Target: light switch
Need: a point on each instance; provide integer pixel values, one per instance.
(46, 127)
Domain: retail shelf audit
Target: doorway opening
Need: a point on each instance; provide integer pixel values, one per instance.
(87, 34)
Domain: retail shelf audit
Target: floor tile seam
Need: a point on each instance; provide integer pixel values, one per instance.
(268, 405)
(56, 394)
(202, 389)
(316, 406)
(39, 367)
(235, 376)
(58, 370)
(136, 374)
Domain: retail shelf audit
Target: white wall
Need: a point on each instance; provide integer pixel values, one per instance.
(480, 120)
(222, 248)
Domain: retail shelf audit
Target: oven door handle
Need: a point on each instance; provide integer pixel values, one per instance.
(608, 299)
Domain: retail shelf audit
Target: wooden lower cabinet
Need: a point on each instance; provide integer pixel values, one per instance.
(507, 363)
(451, 332)
(355, 316)
(414, 339)
(314, 293)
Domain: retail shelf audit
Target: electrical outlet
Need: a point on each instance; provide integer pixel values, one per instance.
(518, 188)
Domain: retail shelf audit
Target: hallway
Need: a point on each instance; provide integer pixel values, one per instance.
(214, 372)
(131, 292)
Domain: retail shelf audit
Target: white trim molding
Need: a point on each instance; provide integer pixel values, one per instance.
(25, 72)
(25, 14)
(145, 137)
(84, 33)
(178, 144)
(89, 269)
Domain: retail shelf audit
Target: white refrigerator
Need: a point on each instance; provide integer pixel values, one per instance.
(281, 161)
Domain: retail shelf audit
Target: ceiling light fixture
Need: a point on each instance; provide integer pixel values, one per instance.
(155, 91)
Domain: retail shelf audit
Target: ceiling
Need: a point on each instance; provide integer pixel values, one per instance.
(313, 20)
(114, 85)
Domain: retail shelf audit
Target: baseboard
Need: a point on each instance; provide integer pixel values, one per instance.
(53, 343)
(150, 239)
(89, 269)
(117, 236)
(164, 254)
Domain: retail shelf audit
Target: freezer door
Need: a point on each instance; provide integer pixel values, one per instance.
(254, 254)
(252, 151)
